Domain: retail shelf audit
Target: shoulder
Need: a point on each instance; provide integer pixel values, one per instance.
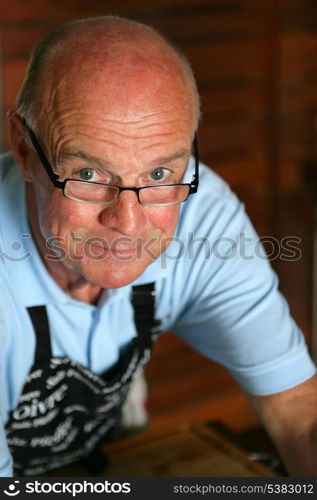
(210, 208)
(204, 244)
(7, 303)
(212, 187)
(8, 168)
(11, 186)
(7, 164)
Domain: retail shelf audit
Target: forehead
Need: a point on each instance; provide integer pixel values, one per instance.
(114, 125)
(130, 89)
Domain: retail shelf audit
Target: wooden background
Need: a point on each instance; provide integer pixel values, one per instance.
(256, 66)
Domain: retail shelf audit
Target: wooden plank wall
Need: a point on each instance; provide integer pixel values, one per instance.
(227, 43)
(296, 145)
(255, 62)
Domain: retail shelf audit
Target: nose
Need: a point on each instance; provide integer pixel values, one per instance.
(125, 214)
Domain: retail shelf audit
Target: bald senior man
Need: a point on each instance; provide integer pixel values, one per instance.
(111, 232)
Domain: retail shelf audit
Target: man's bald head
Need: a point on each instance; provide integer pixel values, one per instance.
(105, 49)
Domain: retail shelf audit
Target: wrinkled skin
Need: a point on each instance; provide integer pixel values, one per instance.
(131, 124)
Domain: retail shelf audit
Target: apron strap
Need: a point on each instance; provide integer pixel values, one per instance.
(143, 301)
(39, 319)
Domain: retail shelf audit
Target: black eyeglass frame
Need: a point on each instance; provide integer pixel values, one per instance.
(193, 185)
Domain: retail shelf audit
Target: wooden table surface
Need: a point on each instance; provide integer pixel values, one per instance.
(180, 450)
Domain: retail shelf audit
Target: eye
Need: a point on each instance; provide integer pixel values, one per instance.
(86, 174)
(159, 174)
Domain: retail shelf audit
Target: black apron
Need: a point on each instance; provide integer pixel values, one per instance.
(65, 411)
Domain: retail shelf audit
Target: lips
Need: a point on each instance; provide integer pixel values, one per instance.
(116, 249)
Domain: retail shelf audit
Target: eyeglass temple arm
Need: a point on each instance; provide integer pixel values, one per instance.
(195, 179)
(43, 158)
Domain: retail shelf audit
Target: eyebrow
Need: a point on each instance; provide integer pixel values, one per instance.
(161, 160)
(82, 156)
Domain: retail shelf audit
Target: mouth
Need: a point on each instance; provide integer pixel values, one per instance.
(118, 250)
(122, 248)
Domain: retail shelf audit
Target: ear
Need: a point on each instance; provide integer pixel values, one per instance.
(21, 150)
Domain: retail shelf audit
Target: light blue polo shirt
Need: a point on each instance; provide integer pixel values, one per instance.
(215, 290)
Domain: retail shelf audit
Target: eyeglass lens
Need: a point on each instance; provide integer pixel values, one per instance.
(100, 193)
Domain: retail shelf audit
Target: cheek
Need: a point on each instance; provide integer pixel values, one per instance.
(164, 218)
(61, 215)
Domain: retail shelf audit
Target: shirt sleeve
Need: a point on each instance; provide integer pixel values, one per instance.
(229, 306)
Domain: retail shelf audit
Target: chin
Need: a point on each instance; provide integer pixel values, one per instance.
(113, 276)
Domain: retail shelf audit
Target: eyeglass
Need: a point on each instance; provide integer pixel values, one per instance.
(101, 193)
